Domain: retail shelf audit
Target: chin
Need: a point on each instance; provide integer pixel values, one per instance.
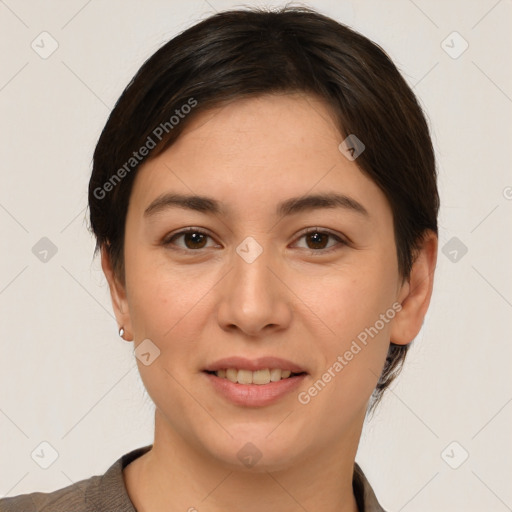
(254, 450)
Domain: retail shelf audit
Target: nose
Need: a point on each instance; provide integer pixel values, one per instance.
(254, 298)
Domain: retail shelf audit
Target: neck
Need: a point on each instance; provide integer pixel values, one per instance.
(174, 475)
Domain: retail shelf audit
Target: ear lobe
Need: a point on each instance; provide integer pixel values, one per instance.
(416, 292)
(117, 294)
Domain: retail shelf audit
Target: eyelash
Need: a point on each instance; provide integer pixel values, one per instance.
(167, 241)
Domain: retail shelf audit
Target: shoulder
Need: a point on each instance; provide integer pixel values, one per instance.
(95, 494)
(72, 497)
(365, 496)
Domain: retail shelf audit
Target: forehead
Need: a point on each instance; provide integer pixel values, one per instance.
(257, 152)
(265, 126)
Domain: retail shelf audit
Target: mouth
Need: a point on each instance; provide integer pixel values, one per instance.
(254, 382)
(258, 377)
(260, 371)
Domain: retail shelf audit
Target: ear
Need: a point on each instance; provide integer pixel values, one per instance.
(414, 294)
(118, 296)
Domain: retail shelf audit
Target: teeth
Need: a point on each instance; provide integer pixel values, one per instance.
(258, 377)
(275, 374)
(231, 374)
(244, 377)
(261, 376)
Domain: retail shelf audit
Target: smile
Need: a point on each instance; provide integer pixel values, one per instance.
(259, 377)
(251, 394)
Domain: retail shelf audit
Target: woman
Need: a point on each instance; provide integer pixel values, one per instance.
(264, 199)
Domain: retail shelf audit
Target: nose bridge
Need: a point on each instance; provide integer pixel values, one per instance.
(251, 279)
(253, 298)
(251, 271)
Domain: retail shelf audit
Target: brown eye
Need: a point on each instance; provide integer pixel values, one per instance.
(193, 239)
(317, 241)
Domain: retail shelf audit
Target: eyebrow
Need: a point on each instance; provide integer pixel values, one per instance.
(289, 207)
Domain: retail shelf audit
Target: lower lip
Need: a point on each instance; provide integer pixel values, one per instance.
(254, 395)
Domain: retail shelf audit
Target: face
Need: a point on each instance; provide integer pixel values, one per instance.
(312, 282)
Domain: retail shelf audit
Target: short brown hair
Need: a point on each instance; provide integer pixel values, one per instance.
(241, 53)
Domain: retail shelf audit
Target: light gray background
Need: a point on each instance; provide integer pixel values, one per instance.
(66, 377)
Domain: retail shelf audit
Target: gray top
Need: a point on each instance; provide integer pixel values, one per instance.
(107, 493)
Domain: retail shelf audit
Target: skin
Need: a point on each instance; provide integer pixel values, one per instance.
(200, 305)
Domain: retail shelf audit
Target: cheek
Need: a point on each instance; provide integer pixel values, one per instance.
(349, 300)
(169, 312)
(356, 313)
(167, 307)
(161, 296)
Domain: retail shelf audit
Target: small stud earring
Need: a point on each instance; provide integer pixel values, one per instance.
(121, 332)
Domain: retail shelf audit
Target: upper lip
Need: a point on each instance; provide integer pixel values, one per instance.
(242, 363)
